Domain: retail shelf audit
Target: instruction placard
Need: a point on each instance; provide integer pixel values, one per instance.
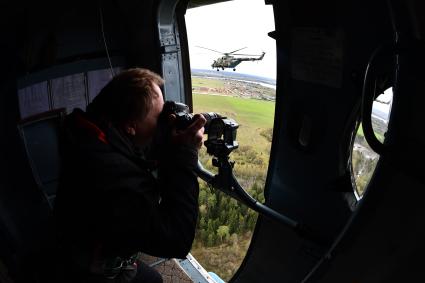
(317, 56)
(33, 99)
(69, 92)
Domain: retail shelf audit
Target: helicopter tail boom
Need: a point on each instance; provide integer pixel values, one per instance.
(253, 59)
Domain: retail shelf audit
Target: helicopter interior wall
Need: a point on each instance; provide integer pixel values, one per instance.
(385, 243)
(24, 221)
(50, 39)
(51, 34)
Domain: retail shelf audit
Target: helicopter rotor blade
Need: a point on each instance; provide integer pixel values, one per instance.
(235, 50)
(210, 49)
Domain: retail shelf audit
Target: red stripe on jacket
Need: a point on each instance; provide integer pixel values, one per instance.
(92, 128)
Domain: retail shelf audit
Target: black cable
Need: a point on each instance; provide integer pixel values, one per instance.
(368, 96)
(104, 39)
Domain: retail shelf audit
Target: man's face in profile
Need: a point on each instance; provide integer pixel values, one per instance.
(144, 129)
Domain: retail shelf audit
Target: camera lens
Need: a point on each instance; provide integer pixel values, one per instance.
(209, 116)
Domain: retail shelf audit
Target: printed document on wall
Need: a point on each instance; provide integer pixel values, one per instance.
(33, 99)
(317, 55)
(69, 92)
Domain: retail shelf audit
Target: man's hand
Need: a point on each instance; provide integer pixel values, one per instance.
(192, 135)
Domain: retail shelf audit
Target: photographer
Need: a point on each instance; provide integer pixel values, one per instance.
(113, 201)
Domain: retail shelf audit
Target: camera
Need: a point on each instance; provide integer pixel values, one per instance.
(221, 130)
(183, 116)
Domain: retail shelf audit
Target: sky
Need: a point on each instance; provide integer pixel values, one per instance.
(384, 101)
(232, 25)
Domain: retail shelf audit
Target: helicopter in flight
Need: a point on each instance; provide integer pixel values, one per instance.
(230, 61)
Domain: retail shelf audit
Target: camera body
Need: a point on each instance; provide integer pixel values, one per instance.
(184, 117)
(221, 130)
(181, 111)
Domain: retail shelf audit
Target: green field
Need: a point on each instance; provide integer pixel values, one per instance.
(256, 113)
(253, 116)
(204, 82)
(235, 88)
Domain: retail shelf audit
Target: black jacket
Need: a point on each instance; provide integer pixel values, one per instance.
(109, 200)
